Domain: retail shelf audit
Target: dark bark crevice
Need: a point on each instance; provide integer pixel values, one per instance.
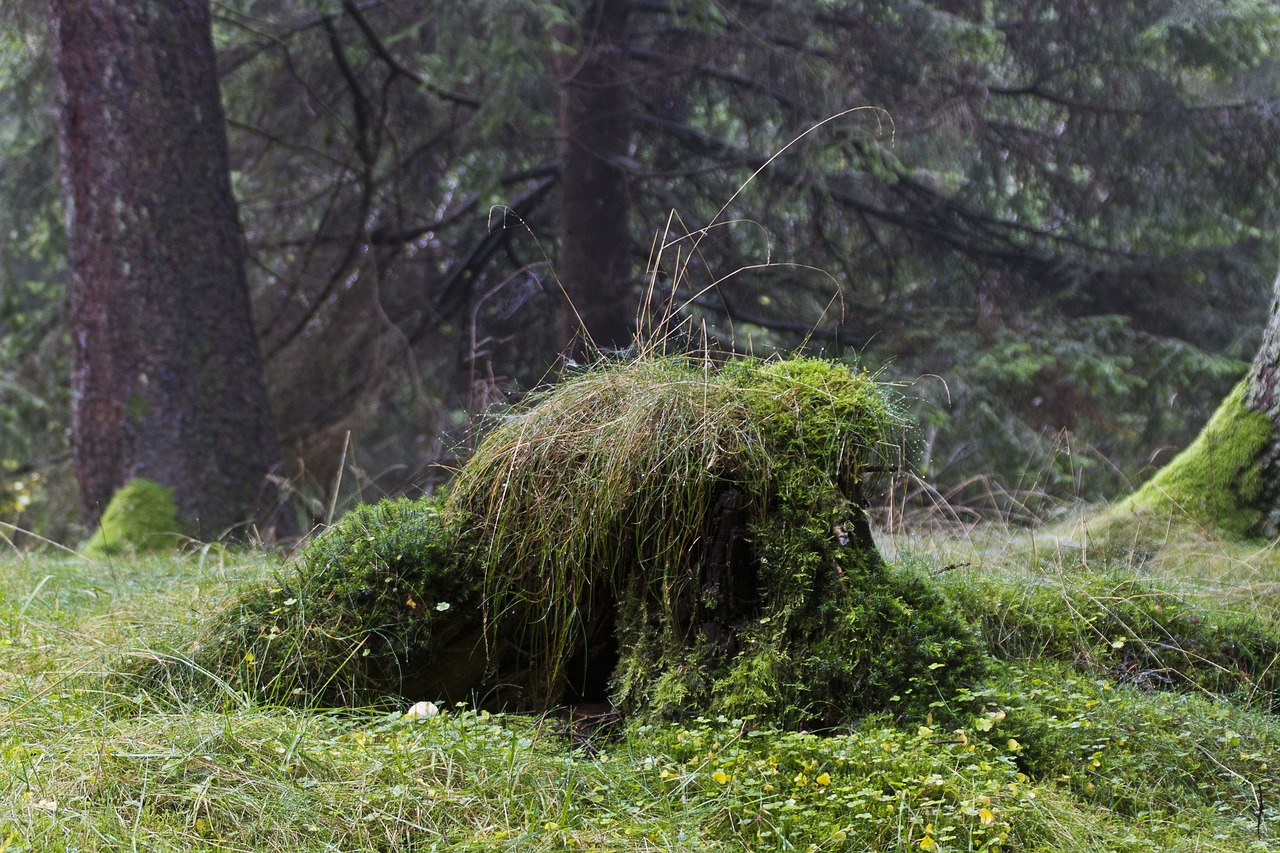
(1262, 395)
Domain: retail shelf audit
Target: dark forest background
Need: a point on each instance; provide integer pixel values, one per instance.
(1054, 224)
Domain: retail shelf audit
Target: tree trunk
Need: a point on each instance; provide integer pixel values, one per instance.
(1262, 395)
(167, 378)
(1229, 477)
(595, 246)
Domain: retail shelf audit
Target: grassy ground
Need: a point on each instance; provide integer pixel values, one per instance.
(1128, 707)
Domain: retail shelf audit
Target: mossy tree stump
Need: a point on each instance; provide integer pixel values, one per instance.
(681, 538)
(1217, 481)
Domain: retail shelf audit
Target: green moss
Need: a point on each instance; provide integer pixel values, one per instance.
(1216, 481)
(141, 516)
(376, 606)
(878, 641)
(821, 421)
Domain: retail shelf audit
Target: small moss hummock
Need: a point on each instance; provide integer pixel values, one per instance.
(141, 516)
(373, 608)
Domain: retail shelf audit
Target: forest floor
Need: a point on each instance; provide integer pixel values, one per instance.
(1128, 706)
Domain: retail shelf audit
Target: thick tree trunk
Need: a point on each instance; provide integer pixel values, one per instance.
(595, 248)
(167, 376)
(1229, 477)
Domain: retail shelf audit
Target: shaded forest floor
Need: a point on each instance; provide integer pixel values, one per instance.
(1128, 705)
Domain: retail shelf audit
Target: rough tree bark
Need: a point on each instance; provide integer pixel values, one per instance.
(167, 375)
(1262, 396)
(595, 248)
(1229, 477)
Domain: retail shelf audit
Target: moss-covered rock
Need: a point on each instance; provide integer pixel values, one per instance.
(141, 516)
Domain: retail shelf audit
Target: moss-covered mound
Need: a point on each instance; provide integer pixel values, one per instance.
(374, 607)
(141, 516)
(683, 538)
(1129, 629)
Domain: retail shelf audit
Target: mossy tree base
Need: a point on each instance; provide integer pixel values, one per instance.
(1217, 482)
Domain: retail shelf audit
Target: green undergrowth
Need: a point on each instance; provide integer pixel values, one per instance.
(1040, 753)
(1051, 762)
(1126, 627)
(1138, 753)
(1172, 606)
(59, 610)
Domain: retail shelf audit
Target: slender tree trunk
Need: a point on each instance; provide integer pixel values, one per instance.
(595, 247)
(167, 376)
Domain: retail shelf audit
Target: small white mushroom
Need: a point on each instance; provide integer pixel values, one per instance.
(422, 709)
